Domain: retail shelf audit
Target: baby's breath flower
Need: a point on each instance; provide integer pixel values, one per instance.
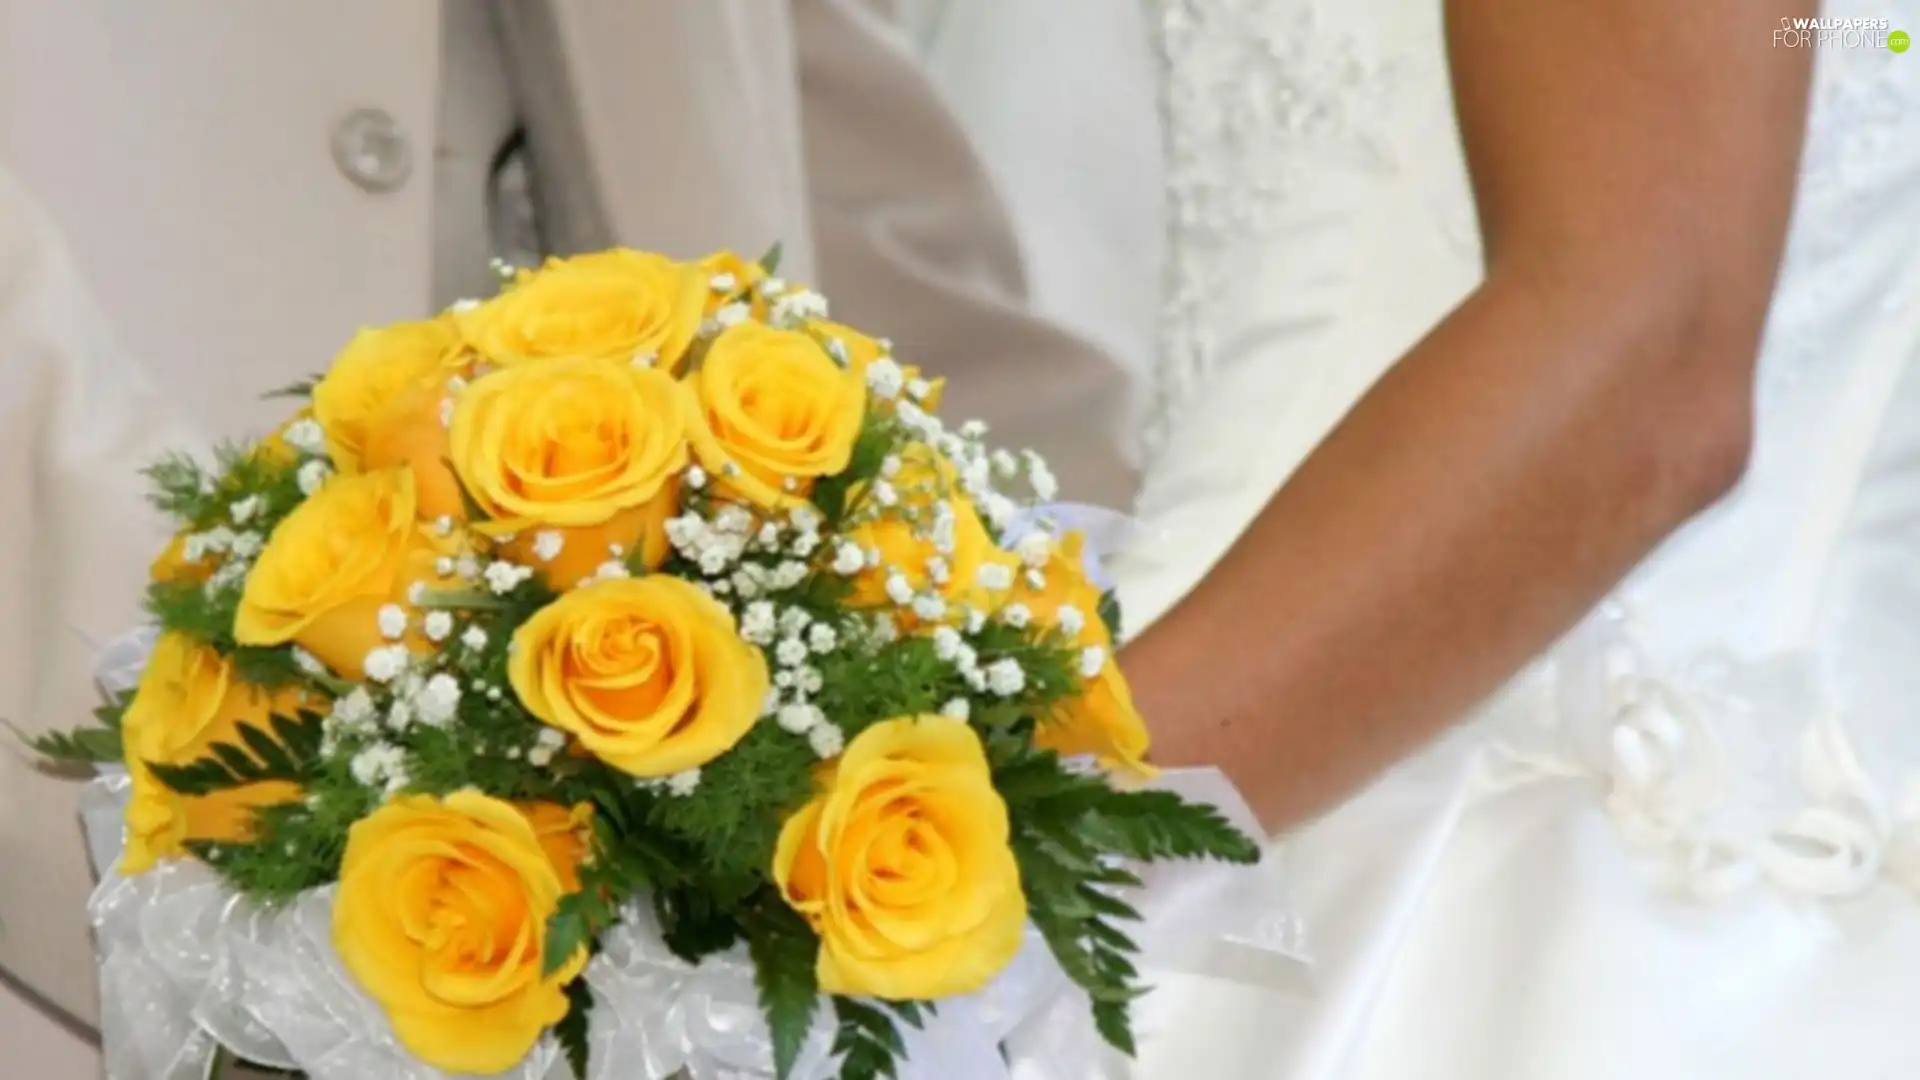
(947, 643)
(994, 576)
(503, 577)
(758, 624)
(1071, 620)
(547, 544)
(305, 436)
(393, 622)
(821, 638)
(885, 378)
(1034, 549)
(384, 664)
(929, 607)
(1092, 659)
(899, 589)
(1006, 678)
(799, 718)
(958, 708)
(683, 784)
(242, 510)
(437, 625)
(1017, 615)
(827, 740)
(474, 638)
(848, 559)
(791, 652)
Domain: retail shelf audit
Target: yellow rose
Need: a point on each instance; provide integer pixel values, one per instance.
(587, 449)
(379, 368)
(1102, 720)
(352, 548)
(903, 866)
(613, 305)
(189, 698)
(441, 917)
(861, 351)
(780, 409)
(649, 674)
(908, 538)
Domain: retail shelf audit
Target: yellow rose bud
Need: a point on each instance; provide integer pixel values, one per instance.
(565, 834)
(619, 305)
(745, 274)
(189, 698)
(585, 448)
(902, 865)
(441, 917)
(649, 674)
(1102, 721)
(778, 409)
(351, 549)
(354, 402)
(411, 433)
(275, 448)
(861, 351)
(906, 540)
(173, 564)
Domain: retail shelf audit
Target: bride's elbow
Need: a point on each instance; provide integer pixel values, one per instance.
(1697, 367)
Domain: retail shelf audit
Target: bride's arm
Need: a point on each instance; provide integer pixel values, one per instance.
(1633, 163)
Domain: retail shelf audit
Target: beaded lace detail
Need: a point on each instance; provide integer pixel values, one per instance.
(1252, 93)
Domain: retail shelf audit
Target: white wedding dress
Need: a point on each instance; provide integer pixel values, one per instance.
(1686, 844)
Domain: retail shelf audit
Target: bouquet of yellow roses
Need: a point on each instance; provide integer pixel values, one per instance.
(636, 627)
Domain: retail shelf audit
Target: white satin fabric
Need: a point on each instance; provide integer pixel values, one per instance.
(1684, 845)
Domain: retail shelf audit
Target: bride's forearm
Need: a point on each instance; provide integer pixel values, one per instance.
(1493, 484)
(1633, 164)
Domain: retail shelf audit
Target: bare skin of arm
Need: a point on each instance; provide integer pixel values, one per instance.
(1633, 162)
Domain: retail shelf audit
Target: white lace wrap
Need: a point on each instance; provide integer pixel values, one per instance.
(188, 966)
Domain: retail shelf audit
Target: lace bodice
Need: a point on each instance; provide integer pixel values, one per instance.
(1743, 710)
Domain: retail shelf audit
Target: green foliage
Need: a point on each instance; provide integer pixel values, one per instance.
(733, 818)
(1068, 829)
(880, 435)
(572, 1028)
(570, 929)
(867, 1040)
(784, 953)
(95, 745)
(770, 261)
(1110, 614)
(291, 752)
(298, 845)
(301, 389)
